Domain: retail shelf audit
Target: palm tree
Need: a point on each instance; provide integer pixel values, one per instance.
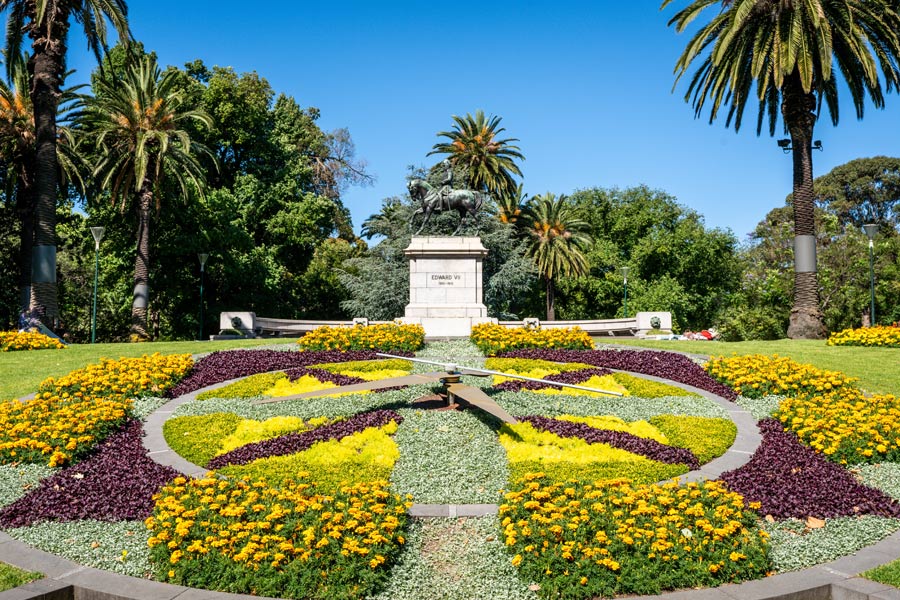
(17, 150)
(46, 23)
(509, 207)
(789, 50)
(489, 161)
(559, 239)
(137, 125)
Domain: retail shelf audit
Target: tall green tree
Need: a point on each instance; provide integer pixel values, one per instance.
(559, 240)
(138, 127)
(489, 161)
(864, 190)
(793, 53)
(17, 152)
(46, 23)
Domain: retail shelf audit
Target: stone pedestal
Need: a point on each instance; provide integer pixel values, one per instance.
(446, 285)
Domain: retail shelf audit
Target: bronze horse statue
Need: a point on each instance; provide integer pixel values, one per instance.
(466, 202)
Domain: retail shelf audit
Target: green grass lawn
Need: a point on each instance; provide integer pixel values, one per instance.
(878, 369)
(11, 577)
(888, 574)
(21, 372)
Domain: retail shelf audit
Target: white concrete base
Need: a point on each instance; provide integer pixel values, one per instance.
(453, 327)
(446, 285)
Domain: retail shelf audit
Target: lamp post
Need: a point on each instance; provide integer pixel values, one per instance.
(97, 232)
(624, 272)
(202, 256)
(871, 229)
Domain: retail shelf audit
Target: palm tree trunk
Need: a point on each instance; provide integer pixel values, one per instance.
(47, 67)
(798, 109)
(25, 209)
(551, 300)
(142, 266)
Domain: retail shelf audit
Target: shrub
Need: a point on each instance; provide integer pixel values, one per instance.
(878, 335)
(390, 337)
(579, 540)
(11, 341)
(756, 375)
(493, 339)
(286, 542)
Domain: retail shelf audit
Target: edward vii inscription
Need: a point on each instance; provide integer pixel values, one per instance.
(452, 279)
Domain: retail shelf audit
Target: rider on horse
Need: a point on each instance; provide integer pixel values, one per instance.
(446, 185)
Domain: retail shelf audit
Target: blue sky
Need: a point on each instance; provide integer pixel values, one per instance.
(586, 87)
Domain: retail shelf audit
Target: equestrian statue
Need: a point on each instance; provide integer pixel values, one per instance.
(466, 202)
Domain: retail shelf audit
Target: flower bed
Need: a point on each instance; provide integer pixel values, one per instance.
(494, 339)
(11, 341)
(667, 365)
(115, 483)
(590, 449)
(389, 337)
(789, 479)
(755, 376)
(584, 541)
(69, 415)
(877, 335)
(846, 426)
(231, 364)
(290, 542)
(297, 442)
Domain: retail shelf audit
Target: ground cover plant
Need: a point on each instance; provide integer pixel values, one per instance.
(675, 367)
(386, 337)
(495, 339)
(11, 341)
(788, 479)
(877, 335)
(116, 483)
(232, 364)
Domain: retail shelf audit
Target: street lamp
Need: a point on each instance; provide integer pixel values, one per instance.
(202, 256)
(871, 229)
(624, 272)
(97, 232)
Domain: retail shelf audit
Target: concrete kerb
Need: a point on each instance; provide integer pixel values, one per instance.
(836, 580)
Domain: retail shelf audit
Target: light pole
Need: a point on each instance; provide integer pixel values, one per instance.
(202, 256)
(97, 232)
(624, 272)
(871, 229)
